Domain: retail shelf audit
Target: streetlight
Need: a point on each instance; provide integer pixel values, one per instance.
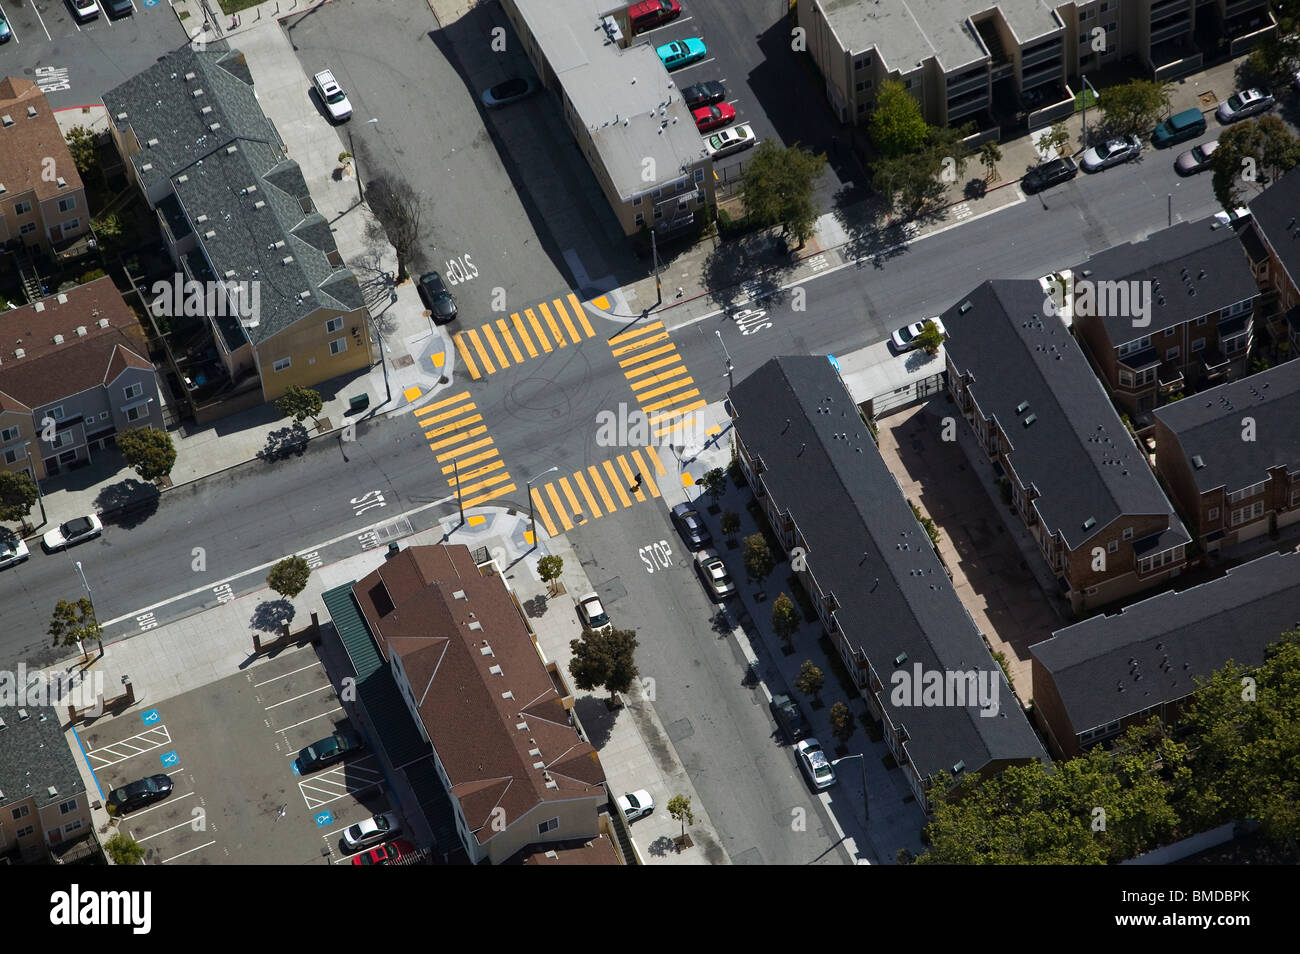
(40, 497)
(654, 251)
(361, 196)
(731, 381)
(455, 472)
(532, 517)
(866, 802)
(1086, 86)
(81, 573)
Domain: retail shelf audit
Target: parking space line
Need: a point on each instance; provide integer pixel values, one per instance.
(171, 801)
(301, 695)
(291, 672)
(327, 712)
(184, 824)
(105, 762)
(167, 861)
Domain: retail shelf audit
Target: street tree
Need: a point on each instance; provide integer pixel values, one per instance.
(289, 576)
(397, 208)
(1057, 138)
(1135, 106)
(123, 849)
(18, 492)
(679, 808)
(921, 179)
(715, 483)
(299, 403)
(843, 722)
(785, 621)
(930, 337)
(810, 680)
(604, 660)
(990, 154)
(730, 524)
(85, 153)
(779, 184)
(758, 557)
(896, 127)
(148, 451)
(73, 623)
(1276, 57)
(1250, 155)
(549, 569)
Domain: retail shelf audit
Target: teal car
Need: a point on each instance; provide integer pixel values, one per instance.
(5, 32)
(679, 53)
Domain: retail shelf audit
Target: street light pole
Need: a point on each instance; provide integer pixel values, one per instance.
(731, 381)
(866, 802)
(532, 517)
(81, 573)
(40, 497)
(455, 470)
(654, 251)
(1086, 86)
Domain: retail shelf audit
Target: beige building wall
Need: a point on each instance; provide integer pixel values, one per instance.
(306, 344)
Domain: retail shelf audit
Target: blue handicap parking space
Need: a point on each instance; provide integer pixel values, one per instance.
(324, 819)
(294, 763)
(150, 716)
(151, 3)
(170, 759)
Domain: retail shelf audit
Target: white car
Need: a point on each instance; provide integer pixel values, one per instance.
(904, 339)
(374, 829)
(1230, 218)
(593, 614)
(713, 572)
(12, 549)
(815, 764)
(332, 95)
(726, 141)
(636, 804)
(77, 530)
(1248, 102)
(84, 10)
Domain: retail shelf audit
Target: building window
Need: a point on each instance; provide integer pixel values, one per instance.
(1111, 28)
(1128, 533)
(659, 214)
(333, 325)
(9, 434)
(22, 208)
(640, 219)
(1171, 354)
(699, 175)
(71, 826)
(861, 87)
(135, 413)
(68, 204)
(656, 193)
(1212, 514)
(20, 812)
(71, 225)
(1253, 512)
(549, 825)
(56, 412)
(862, 107)
(1295, 496)
(637, 200)
(133, 391)
(1198, 345)
(1112, 546)
(338, 345)
(1125, 378)
(1239, 308)
(11, 456)
(282, 364)
(25, 831)
(1169, 332)
(66, 807)
(1203, 319)
(1239, 495)
(27, 228)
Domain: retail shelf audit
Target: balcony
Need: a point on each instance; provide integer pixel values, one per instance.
(1170, 377)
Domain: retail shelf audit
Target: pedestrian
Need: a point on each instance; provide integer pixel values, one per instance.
(637, 485)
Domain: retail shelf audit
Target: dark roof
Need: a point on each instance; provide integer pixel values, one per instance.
(1190, 257)
(1275, 212)
(1209, 427)
(223, 164)
(1075, 451)
(34, 756)
(865, 546)
(1108, 667)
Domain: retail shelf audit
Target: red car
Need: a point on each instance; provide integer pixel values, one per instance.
(711, 117)
(649, 14)
(382, 855)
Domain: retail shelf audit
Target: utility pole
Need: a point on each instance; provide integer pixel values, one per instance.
(455, 470)
(40, 497)
(532, 517)
(81, 573)
(1086, 86)
(731, 381)
(654, 251)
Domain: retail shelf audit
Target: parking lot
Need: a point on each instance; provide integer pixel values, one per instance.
(230, 749)
(74, 63)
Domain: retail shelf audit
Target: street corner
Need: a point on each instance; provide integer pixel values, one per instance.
(613, 305)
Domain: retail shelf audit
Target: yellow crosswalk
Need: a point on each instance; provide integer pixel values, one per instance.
(538, 329)
(657, 376)
(598, 490)
(468, 457)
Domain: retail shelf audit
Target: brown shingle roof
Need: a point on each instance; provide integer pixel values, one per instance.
(25, 145)
(49, 371)
(430, 607)
(597, 851)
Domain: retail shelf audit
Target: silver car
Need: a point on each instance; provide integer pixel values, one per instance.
(815, 764)
(1111, 153)
(1196, 159)
(372, 830)
(1245, 103)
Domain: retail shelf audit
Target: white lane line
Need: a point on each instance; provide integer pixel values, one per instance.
(325, 714)
(167, 861)
(310, 692)
(185, 824)
(271, 563)
(291, 672)
(171, 801)
(42, 21)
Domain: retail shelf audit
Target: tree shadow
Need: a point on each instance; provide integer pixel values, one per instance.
(284, 442)
(721, 623)
(535, 608)
(975, 189)
(268, 615)
(747, 268)
(662, 846)
(597, 719)
(127, 503)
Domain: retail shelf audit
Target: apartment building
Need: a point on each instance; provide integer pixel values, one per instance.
(1272, 241)
(74, 372)
(1167, 315)
(624, 110)
(42, 200)
(1094, 679)
(237, 218)
(467, 707)
(1072, 470)
(1230, 456)
(883, 597)
(44, 805)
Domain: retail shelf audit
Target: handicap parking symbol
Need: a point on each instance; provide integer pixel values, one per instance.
(170, 758)
(150, 716)
(296, 771)
(324, 819)
(151, 3)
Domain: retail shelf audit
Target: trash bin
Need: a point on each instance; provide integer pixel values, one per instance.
(359, 403)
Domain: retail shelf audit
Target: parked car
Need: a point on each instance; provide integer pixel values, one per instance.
(652, 13)
(1247, 102)
(714, 574)
(84, 10)
(1234, 217)
(904, 339)
(13, 550)
(704, 94)
(118, 8)
(511, 91)
(690, 526)
(790, 718)
(385, 854)
(726, 141)
(328, 750)
(816, 766)
(1111, 153)
(636, 804)
(332, 95)
(373, 829)
(436, 298)
(1196, 159)
(140, 793)
(77, 530)
(5, 32)
(711, 117)
(681, 53)
(1048, 174)
(1179, 127)
(593, 615)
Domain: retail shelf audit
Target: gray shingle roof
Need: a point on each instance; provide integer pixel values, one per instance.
(1276, 213)
(1210, 426)
(866, 548)
(255, 199)
(1190, 257)
(1075, 450)
(33, 756)
(1109, 667)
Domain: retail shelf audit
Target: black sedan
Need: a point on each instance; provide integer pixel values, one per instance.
(138, 794)
(704, 94)
(436, 298)
(690, 526)
(328, 751)
(1049, 174)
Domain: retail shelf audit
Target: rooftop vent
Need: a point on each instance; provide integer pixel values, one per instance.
(1198, 461)
(900, 659)
(151, 143)
(203, 217)
(1022, 407)
(189, 77)
(31, 112)
(147, 167)
(259, 204)
(205, 110)
(210, 234)
(495, 670)
(1030, 419)
(103, 322)
(61, 182)
(247, 189)
(476, 626)
(3, 190)
(213, 127)
(286, 260)
(231, 149)
(230, 273)
(279, 243)
(965, 307)
(58, 339)
(121, 117)
(197, 93)
(39, 306)
(22, 715)
(182, 178)
(19, 353)
(7, 120)
(1090, 523)
(63, 299)
(81, 331)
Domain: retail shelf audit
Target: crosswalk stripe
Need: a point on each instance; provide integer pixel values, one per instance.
(559, 507)
(448, 415)
(676, 413)
(647, 368)
(491, 495)
(477, 485)
(502, 362)
(642, 393)
(688, 422)
(618, 485)
(468, 478)
(637, 346)
(465, 357)
(539, 510)
(644, 470)
(634, 333)
(556, 336)
(646, 355)
(631, 479)
(509, 340)
(471, 461)
(463, 449)
(537, 330)
(592, 507)
(654, 455)
(457, 437)
(667, 402)
(483, 357)
(582, 315)
(453, 426)
(600, 488)
(426, 410)
(523, 335)
(564, 317)
(575, 508)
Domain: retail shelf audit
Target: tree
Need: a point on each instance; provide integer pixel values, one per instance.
(74, 623)
(604, 660)
(990, 155)
(715, 483)
(299, 403)
(930, 337)
(148, 451)
(1058, 138)
(784, 619)
(397, 208)
(779, 184)
(810, 680)
(921, 179)
(843, 722)
(679, 807)
(1277, 57)
(1135, 106)
(85, 152)
(1252, 153)
(897, 126)
(730, 524)
(289, 576)
(758, 558)
(17, 494)
(549, 569)
(124, 850)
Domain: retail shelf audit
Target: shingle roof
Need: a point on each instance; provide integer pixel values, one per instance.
(1276, 214)
(229, 165)
(1109, 667)
(487, 702)
(1075, 450)
(49, 371)
(25, 145)
(866, 548)
(35, 756)
(1190, 257)
(1210, 427)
